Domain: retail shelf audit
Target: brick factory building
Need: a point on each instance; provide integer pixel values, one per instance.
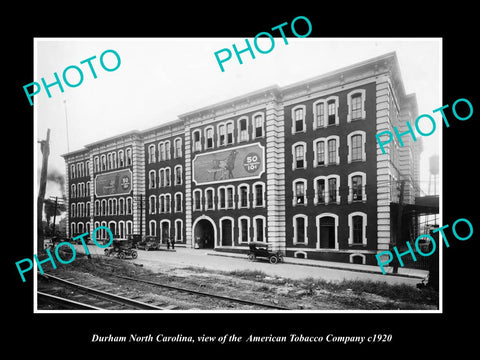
(296, 166)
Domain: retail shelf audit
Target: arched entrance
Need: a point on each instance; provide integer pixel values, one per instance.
(204, 234)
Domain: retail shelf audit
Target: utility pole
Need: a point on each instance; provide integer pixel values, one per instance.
(45, 148)
(54, 215)
(399, 223)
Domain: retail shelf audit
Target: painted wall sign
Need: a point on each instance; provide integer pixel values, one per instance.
(232, 164)
(113, 183)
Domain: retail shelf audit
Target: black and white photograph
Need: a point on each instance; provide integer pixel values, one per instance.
(267, 187)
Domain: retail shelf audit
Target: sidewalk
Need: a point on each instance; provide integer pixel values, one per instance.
(406, 272)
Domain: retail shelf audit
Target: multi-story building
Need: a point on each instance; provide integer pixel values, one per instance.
(296, 166)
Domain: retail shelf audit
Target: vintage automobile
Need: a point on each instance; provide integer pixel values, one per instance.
(121, 248)
(150, 243)
(260, 250)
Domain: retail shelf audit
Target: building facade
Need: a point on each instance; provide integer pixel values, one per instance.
(296, 166)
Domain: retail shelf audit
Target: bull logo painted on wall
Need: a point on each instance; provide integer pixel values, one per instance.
(238, 163)
(113, 183)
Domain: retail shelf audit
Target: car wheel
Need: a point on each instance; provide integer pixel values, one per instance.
(251, 257)
(121, 255)
(273, 259)
(134, 254)
(107, 252)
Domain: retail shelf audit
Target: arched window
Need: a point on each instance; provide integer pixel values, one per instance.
(357, 223)
(300, 226)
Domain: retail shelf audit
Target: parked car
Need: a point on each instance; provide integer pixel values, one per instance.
(260, 250)
(150, 243)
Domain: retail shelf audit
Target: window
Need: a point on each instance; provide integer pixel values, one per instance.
(103, 160)
(178, 230)
(121, 206)
(87, 189)
(73, 211)
(332, 151)
(259, 228)
(209, 137)
(243, 229)
(230, 195)
(152, 179)
(114, 160)
(258, 194)
(299, 150)
(151, 154)
(209, 205)
(230, 133)
(129, 226)
(356, 105)
(357, 223)
(161, 178)
(96, 163)
(72, 171)
(161, 204)
(97, 208)
(299, 192)
(320, 153)
(114, 206)
(109, 161)
(243, 129)
(104, 207)
(152, 204)
(221, 198)
(129, 156)
(332, 190)
(197, 145)
(357, 185)
(331, 112)
(161, 151)
(73, 192)
(129, 207)
(300, 224)
(197, 199)
(178, 175)
(328, 146)
(168, 154)
(258, 121)
(320, 191)
(221, 135)
(178, 147)
(319, 113)
(178, 202)
(298, 115)
(168, 203)
(121, 158)
(327, 231)
(356, 146)
(243, 196)
(152, 228)
(168, 177)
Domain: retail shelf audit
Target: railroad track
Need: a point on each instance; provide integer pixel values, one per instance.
(81, 297)
(225, 299)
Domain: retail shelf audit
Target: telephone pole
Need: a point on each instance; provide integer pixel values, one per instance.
(45, 149)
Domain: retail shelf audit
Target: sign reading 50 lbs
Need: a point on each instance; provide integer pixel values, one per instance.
(232, 164)
(113, 183)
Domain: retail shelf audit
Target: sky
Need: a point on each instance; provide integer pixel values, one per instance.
(161, 78)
